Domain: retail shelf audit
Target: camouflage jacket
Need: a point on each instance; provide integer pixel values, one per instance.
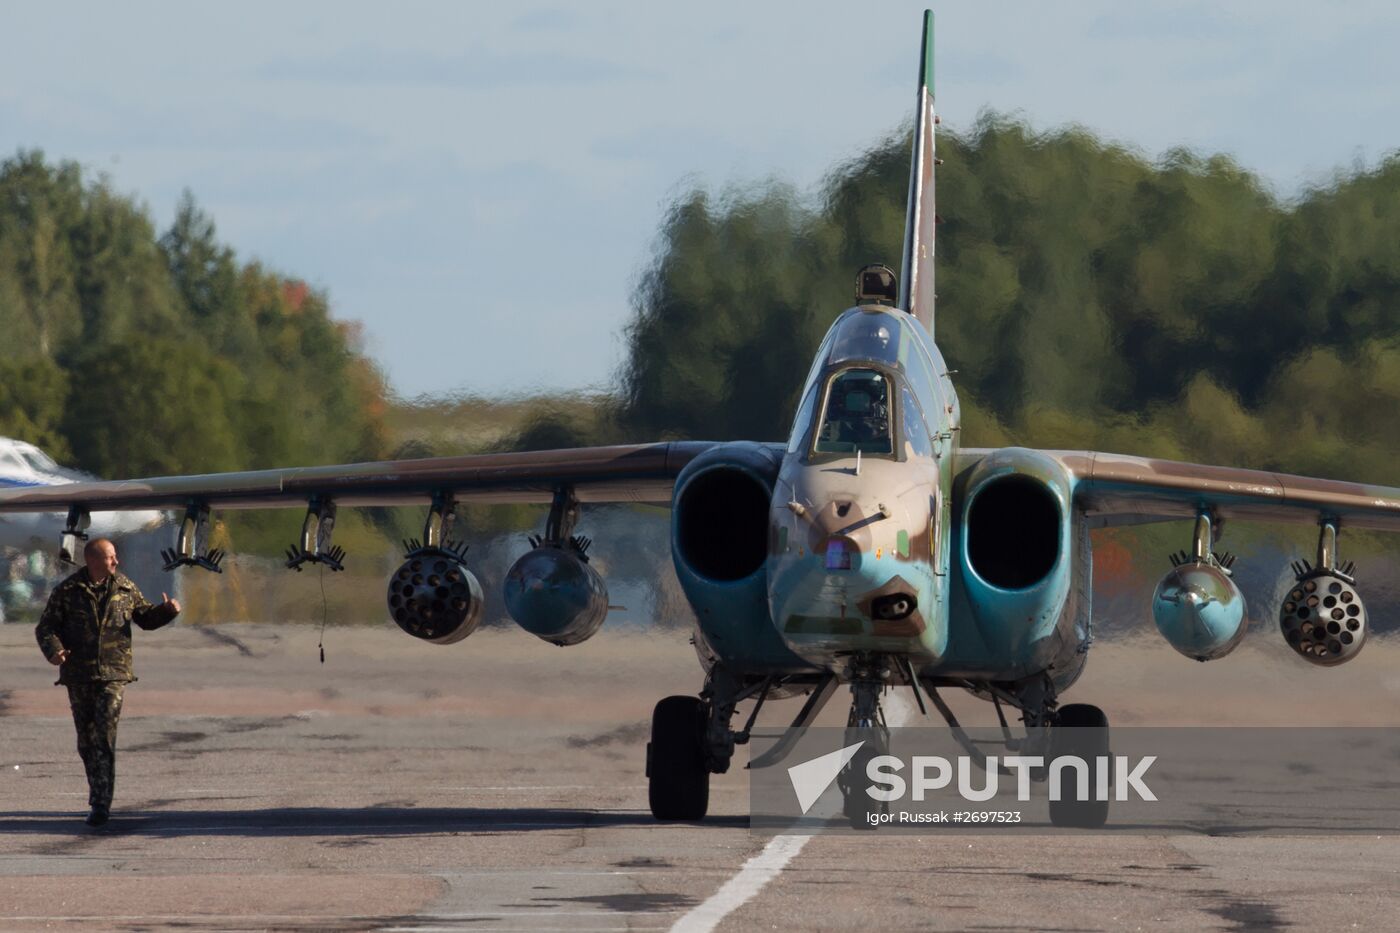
(98, 641)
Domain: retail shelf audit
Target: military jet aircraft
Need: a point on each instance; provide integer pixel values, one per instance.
(869, 549)
(24, 466)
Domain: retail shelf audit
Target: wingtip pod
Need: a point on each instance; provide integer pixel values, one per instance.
(916, 279)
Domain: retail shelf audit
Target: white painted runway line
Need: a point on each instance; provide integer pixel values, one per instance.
(768, 864)
(740, 889)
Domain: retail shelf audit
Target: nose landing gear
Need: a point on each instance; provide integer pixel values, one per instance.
(865, 724)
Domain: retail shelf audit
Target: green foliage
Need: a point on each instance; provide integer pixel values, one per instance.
(135, 355)
(129, 354)
(40, 309)
(33, 395)
(1088, 298)
(726, 308)
(154, 405)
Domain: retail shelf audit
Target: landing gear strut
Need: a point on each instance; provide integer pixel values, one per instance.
(1052, 731)
(865, 724)
(692, 737)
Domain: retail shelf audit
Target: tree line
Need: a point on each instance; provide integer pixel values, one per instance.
(133, 352)
(1088, 297)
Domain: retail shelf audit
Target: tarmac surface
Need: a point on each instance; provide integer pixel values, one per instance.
(497, 785)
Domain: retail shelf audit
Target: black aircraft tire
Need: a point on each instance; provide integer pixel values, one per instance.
(678, 782)
(859, 808)
(1089, 814)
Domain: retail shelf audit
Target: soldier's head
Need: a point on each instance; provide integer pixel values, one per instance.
(100, 555)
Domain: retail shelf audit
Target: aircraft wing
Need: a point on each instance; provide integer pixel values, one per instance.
(1116, 489)
(632, 473)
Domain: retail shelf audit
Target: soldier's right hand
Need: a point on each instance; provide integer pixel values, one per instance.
(59, 657)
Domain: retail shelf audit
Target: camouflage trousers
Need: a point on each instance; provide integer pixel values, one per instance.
(96, 709)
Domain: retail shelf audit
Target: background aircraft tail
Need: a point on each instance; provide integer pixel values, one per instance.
(916, 276)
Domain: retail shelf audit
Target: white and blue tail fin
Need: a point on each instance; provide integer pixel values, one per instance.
(916, 277)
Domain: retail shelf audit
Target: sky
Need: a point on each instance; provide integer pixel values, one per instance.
(482, 184)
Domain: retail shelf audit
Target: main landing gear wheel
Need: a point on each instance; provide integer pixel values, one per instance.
(678, 780)
(1080, 730)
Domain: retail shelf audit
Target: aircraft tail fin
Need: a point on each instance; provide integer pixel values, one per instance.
(916, 277)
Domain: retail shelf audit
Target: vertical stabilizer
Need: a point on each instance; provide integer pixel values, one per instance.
(916, 279)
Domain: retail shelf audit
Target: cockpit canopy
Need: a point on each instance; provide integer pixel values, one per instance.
(866, 336)
(26, 458)
(872, 390)
(857, 415)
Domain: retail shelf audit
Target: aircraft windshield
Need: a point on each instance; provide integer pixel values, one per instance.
(857, 415)
(867, 335)
(38, 461)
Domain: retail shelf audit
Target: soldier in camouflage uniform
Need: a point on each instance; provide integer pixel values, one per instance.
(86, 629)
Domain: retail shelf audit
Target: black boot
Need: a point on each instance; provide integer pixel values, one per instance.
(98, 816)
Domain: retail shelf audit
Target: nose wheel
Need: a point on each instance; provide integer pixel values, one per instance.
(866, 724)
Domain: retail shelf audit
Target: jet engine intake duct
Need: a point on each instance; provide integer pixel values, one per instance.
(721, 513)
(719, 544)
(1015, 550)
(1013, 531)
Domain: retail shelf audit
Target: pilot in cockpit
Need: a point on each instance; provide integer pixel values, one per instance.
(857, 416)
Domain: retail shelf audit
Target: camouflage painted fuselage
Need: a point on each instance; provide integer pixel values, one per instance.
(850, 530)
